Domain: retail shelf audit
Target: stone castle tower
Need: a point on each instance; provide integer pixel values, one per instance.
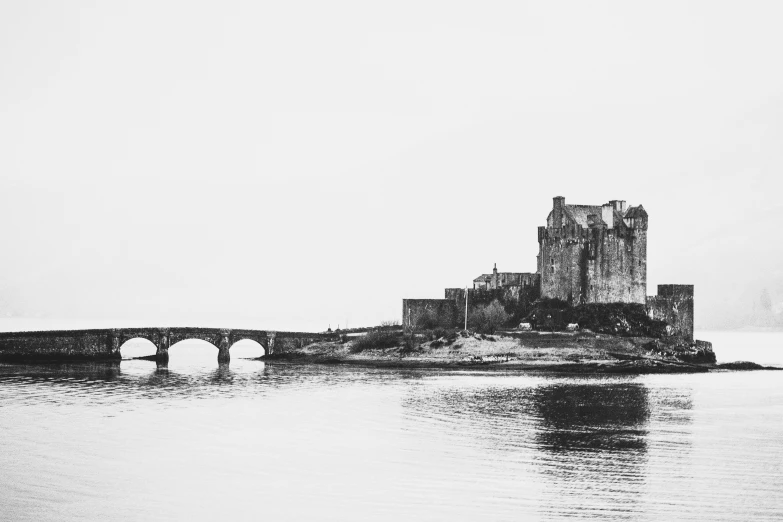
(594, 253)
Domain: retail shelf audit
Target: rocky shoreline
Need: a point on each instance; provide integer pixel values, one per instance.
(540, 352)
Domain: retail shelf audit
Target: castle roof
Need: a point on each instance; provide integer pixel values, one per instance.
(483, 278)
(635, 212)
(579, 213)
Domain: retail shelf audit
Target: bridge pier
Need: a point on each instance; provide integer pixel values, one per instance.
(224, 354)
(114, 344)
(269, 349)
(162, 353)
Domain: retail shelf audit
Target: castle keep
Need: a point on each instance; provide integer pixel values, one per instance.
(587, 254)
(594, 253)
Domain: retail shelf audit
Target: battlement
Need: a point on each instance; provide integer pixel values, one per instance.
(676, 291)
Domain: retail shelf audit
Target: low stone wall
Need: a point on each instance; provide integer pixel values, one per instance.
(282, 342)
(59, 345)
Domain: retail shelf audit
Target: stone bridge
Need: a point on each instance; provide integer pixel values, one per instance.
(104, 344)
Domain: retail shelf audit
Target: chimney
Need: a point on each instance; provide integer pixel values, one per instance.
(593, 220)
(607, 214)
(557, 211)
(619, 205)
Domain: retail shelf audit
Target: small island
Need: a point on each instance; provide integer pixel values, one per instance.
(635, 350)
(593, 338)
(584, 310)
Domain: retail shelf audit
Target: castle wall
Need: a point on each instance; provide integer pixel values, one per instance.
(563, 261)
(444, 309)
(616, 266)
(673, 304)
(595, 265)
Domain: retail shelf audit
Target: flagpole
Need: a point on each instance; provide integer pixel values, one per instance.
(466, 308)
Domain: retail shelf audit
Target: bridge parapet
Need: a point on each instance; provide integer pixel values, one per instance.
(280, 342)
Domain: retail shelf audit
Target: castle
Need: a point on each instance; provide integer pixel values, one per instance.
(587, 254)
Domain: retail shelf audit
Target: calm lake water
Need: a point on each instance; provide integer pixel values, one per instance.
(254, 441)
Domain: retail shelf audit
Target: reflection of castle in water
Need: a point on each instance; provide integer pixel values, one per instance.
(563, 416)
(576, 436)
(590, 416)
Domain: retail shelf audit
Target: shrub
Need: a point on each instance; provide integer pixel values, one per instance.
(488, 318)
(430, 319)
(625, 319)
(437, 333)
(628, 319)
(375, 340)
(409, 344)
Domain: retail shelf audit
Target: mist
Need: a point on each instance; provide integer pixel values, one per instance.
(301, 165)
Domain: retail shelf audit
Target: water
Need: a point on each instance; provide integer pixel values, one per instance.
(252, 441)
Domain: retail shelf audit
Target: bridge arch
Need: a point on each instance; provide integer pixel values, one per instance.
(192, 351)
(248, 347)
(177, 336)
(137, 346)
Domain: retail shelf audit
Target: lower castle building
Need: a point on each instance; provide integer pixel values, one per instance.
(587, 254)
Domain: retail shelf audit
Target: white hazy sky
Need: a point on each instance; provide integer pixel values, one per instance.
(298, 164)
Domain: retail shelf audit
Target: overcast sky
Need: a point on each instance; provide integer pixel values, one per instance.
(299, 164)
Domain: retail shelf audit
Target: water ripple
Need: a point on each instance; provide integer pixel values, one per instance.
(140, 441)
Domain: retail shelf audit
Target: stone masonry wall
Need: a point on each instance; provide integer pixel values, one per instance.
(55, 345)
(616, 266)
(563, 259)
(673, 304)
(594, 265)
(105, 344)
(445, 309)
